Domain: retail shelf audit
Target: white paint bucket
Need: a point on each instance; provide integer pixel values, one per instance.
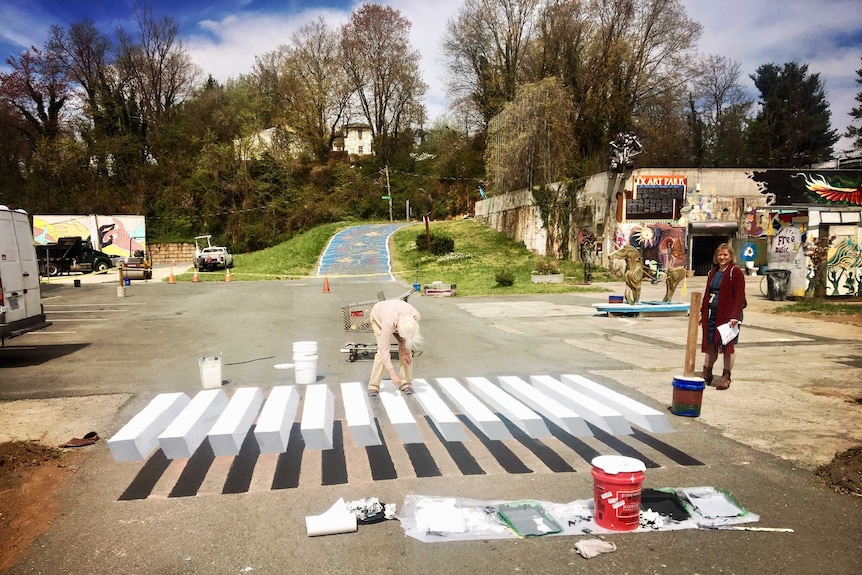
(304, 348)
(305, 361)
(210, 372)
(305, 369)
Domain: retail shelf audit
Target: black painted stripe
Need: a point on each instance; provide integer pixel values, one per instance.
(195, 471)
(146, 479)
(504, 456)
(242, 467)
(422, 460)
(459, 453)
(289, 463)
(673, 453)
(546, 455)
(379, 459)
(333, 464)
(584, 450)
(622, 447)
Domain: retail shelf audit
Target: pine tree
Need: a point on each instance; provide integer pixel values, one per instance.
(792, 128)
(855, 132)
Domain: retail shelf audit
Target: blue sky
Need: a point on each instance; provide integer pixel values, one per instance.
(224, 36)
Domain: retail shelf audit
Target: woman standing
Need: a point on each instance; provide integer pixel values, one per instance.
(722, 304)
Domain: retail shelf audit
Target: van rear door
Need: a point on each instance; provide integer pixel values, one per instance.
(21, 305)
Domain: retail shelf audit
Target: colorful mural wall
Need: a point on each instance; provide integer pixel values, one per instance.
(844, 267)
(114, 235)
(662, 243)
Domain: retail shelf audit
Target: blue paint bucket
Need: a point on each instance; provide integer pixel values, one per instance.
(687, 396)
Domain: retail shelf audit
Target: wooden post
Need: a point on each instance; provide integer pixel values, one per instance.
(691, 340)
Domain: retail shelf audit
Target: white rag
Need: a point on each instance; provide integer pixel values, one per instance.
(589, 548)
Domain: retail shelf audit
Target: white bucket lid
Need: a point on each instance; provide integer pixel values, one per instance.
(613, 464)
(691, 379)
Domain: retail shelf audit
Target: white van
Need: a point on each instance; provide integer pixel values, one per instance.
(20, 292)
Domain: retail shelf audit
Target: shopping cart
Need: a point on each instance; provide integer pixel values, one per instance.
(356, 318)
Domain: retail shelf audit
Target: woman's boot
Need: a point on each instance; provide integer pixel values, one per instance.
(707, 375)
(725, 380)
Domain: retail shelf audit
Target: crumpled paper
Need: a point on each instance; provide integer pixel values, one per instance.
(370, 510)
(589, 548)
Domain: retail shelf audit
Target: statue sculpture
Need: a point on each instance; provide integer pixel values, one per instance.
(674, 276)
(634, 273)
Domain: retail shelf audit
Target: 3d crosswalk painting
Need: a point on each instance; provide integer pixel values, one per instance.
(285, 437)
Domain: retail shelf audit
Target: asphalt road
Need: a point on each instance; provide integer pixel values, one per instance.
(106, 357)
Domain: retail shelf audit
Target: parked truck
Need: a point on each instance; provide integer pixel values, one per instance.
(20, 291)
(209, 257)
(72, 254)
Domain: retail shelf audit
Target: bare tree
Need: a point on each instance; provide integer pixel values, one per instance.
(721, 105)
(384, 71)
(160, 72)
(37, 88)
(486, 46)
(321, 89)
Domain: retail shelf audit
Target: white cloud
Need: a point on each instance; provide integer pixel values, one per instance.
(227, 48)
(781, 31)
(23, 27)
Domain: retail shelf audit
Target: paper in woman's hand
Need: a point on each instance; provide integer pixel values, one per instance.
(727, 333)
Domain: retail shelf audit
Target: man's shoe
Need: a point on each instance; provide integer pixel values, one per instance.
(373, 393)
(407, 390)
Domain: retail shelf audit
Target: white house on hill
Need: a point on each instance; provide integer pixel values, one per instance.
(355, 140)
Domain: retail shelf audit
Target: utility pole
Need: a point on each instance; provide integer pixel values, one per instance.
(388, 192)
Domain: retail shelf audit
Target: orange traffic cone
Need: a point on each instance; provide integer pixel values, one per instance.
(325, 285)
(171, 279)
(196, 279)
(227, 275)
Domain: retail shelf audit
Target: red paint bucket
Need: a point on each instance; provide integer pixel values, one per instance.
(617, 483)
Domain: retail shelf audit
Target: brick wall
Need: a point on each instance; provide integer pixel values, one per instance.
(169, 253)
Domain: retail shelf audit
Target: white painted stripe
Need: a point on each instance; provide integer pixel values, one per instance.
(399, 414)
(555, 411)
(474, 410)
(595, 412)
(318, 417)
(272, 431)
(185, 433)
(357, 411)
(446, 422)
(139, 437)
(81, 319)
(228, 433)
(522, 416)
(87, 311)
(634, 411)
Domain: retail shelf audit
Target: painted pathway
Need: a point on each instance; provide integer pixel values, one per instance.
(359, 252)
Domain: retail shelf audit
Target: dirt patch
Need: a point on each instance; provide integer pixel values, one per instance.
(30, 475)
(844, 472)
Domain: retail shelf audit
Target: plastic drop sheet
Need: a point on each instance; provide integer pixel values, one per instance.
(434, 519)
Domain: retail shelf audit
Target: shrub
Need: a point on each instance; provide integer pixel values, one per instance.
(441, 244)
(547, 266)
(505, 278)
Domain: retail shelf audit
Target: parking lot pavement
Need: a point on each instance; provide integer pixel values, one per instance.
(216, 514)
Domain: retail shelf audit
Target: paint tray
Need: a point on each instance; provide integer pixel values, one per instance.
(528, 518)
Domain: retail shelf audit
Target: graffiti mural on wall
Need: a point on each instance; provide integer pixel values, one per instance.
(662, 243)
(844, 268)
(789, 187)
(114, 235)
